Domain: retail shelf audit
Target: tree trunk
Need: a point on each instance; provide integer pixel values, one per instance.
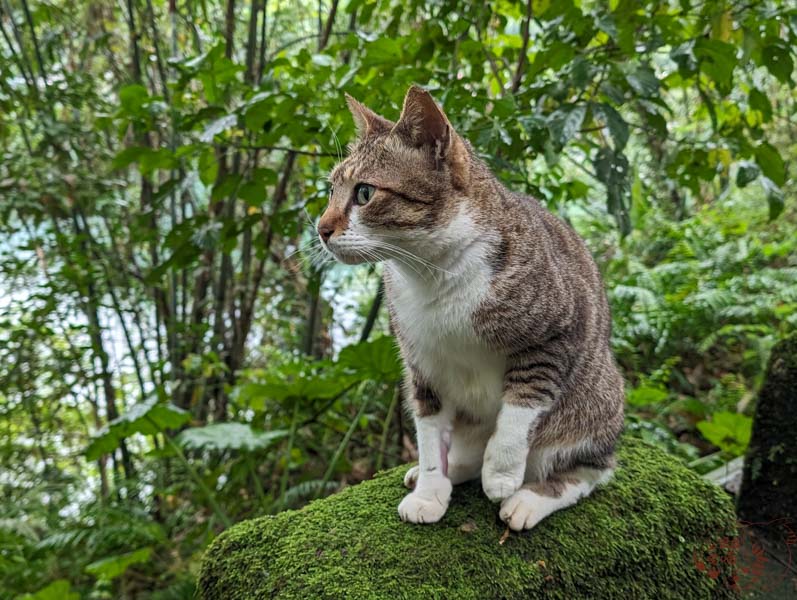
(769, 481)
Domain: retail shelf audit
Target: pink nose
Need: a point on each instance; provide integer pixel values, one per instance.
(325, 231)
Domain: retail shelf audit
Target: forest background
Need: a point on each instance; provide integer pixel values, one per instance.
(175, 356)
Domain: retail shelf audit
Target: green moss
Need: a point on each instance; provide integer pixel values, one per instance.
(638, 537)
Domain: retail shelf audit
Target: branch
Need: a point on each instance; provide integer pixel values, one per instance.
(521, 64)
(322, 42)
(373, 313)
(291, 150)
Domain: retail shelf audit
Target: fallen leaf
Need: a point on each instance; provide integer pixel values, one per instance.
(468, 527)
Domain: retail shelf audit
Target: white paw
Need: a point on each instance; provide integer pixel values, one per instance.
(411, 477)
(498, 486)
(503, 470)
(426, 504)
(521, 510)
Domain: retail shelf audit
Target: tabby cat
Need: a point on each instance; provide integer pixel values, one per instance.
(499, 312)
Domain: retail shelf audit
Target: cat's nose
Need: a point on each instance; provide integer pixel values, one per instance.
(325, 231)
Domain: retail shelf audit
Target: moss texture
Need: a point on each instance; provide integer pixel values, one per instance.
(639, 537)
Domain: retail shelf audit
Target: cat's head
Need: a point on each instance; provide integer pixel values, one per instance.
(401, 186)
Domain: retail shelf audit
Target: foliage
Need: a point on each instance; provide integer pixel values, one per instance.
(174, 355)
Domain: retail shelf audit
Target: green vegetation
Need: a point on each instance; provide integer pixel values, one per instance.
(174, 355)
(653, 520)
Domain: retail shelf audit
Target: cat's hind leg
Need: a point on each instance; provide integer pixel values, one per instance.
(535, 501)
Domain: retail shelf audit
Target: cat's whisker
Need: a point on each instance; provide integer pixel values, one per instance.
(403, 261)
(337, 144)
(429, 265)
(303, 248)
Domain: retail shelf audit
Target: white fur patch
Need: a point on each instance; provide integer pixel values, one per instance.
(506, 453)
(426, 504)
(434, 309)
(525, 508)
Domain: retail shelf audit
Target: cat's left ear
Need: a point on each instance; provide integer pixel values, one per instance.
(423, 123)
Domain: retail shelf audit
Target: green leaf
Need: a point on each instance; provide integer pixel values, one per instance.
(382, 52)
(565, 122)
(728, 431)
(778, 60)
(258, 113)
(771, 163)
(216, 127)
(611, 168)
(132, 98)
(644, 81)
(774, 198)
(146, 418)
(646, 396)
(747, 173)
(618, 128)
(377, 359)
(717, 60)
(112, 567)
(59, 589)
(758, 101)
(148, 159)
(228, 436)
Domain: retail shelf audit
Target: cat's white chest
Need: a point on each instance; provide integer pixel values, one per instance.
(434, 315)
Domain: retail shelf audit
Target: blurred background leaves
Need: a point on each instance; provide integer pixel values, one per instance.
(173, 355)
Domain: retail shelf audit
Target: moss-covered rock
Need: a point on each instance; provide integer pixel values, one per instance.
(655, 531)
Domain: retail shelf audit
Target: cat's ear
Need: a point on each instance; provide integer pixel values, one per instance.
(366, 120)
(423, 123)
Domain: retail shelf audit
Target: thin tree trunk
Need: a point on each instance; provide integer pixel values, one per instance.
(324, 39)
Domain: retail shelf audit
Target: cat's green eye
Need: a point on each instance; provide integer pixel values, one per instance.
(363, 193)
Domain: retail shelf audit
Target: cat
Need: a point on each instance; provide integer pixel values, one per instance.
(500, 315)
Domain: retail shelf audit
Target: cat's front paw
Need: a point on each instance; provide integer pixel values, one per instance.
(411, 477)
(499, 486)
(427, 504)
(500, 480)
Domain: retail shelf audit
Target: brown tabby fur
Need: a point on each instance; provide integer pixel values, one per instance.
(546, 312)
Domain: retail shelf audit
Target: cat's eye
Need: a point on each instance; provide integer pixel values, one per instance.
(363, 193)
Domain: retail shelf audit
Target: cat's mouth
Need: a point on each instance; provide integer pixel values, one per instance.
(348, 256)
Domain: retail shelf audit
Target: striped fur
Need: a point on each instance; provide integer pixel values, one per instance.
(500, 315)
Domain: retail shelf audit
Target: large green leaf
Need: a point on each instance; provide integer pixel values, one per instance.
(778, 60)
(611, 168)
(618, 128)
(728, 431)
(112, 567)
(228, 436)
(147, 418)
(378, 359)
(771, 163)
(717, 59)
(565, 123)
(59, 589)
(646, 396)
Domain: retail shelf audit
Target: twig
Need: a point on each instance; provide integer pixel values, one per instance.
(521, 63)
(286, 149)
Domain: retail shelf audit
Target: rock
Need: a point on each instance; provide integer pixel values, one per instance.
(657, 530)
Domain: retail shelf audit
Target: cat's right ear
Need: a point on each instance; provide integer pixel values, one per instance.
(367, 121)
